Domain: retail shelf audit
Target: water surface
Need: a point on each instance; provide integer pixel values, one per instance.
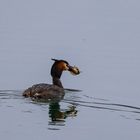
(101, 38)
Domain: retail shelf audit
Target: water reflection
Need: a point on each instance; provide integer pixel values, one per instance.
(59, 111)
(58, 115)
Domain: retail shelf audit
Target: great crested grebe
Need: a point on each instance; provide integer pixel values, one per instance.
(55, 90)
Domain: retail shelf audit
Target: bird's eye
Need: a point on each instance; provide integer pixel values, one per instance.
(67, 65)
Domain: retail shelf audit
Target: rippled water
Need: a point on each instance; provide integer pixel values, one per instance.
(101, 38)
(22, 118)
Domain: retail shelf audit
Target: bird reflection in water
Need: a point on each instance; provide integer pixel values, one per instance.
(58, 115)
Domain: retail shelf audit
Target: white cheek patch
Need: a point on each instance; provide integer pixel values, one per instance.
(66, 67)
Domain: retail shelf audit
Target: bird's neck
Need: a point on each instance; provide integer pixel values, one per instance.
(56, 81)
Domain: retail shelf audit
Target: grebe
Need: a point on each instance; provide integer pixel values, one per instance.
(55, 90)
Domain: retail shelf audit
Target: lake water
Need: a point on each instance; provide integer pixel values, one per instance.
(101, 38)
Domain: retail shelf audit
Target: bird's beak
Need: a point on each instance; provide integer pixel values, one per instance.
(73, 70)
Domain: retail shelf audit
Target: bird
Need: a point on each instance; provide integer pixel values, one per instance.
(56, 89)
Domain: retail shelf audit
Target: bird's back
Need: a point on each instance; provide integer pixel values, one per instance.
(44, 91)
